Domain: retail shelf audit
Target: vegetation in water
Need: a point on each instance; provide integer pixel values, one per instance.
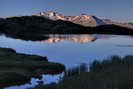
(112, 73)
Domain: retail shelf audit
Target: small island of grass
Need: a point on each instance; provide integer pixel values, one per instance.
(16, 68)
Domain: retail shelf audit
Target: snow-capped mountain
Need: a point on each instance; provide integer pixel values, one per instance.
(52, 15)
(83, 19)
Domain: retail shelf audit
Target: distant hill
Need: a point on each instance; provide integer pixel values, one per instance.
(1, 19)
(123, 24)
(35, 27)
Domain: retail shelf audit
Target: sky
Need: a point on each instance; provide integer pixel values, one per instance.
(119, 10)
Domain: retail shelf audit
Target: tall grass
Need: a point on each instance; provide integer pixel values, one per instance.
(112, 73)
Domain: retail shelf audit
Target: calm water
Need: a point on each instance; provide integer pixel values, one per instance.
(71, 50)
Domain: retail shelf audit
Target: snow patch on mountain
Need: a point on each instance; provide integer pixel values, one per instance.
(83, 19)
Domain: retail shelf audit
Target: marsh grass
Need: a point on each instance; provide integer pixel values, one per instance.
(112, 73)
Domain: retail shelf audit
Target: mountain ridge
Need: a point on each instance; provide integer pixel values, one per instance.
(36, 27)
(82, 19)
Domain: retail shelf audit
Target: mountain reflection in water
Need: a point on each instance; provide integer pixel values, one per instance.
(74, 38)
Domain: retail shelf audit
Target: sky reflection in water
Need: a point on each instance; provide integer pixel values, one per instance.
(72, 50)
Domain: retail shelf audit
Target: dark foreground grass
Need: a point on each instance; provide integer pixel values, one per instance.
(112, 73)
(19, 68)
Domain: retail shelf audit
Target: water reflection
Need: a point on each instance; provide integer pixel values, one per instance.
(32, 84)
(47, 79)
(74, 38)
(71, 50)
(67, 49)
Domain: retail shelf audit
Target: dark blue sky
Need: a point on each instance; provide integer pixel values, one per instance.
(121, 10)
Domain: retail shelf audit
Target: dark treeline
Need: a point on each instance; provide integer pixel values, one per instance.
(34, 27)
(115, 62)
(111, 73)
(131, 23)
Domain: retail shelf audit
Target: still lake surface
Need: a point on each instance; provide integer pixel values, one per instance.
(70, 50)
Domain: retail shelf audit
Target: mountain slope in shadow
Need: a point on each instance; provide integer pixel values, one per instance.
(35, 27)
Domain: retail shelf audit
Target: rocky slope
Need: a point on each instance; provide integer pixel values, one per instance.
(83, 19)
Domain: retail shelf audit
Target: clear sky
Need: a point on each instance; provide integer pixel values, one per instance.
(121, 10)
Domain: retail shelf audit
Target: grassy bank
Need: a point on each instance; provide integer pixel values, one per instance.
(112, 73)
(18, 68)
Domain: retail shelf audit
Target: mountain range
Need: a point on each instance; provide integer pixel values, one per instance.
(83, 19)
(35, 27)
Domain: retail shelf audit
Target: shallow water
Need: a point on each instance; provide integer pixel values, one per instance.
(72, 50)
